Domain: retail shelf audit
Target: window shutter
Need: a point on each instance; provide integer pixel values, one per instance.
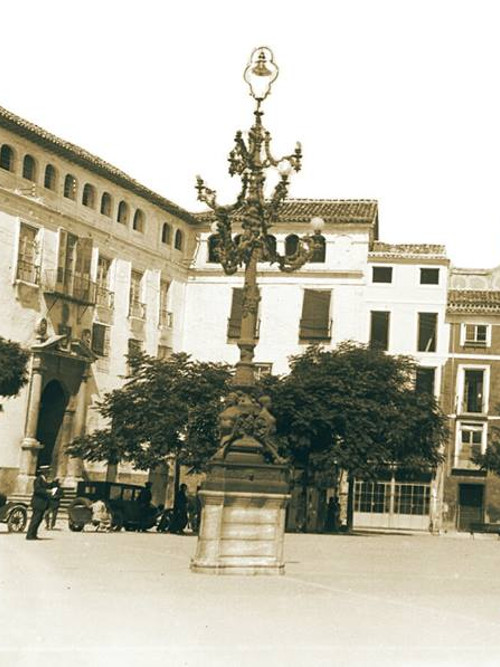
(234, 324)
(315, 320)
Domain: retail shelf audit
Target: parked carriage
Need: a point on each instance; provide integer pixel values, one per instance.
(14, 514)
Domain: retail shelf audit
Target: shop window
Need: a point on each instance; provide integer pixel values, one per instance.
(427, 332)
(379, 329)
(382, 274)
(315, 323)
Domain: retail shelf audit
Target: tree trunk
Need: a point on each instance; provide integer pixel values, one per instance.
(350, 502)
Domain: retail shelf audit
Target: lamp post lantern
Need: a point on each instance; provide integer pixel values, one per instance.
(247, 481)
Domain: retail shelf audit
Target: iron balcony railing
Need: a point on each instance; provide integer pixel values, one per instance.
(104, 297)
(73, 286)
(138, 310)
(166, 319)
(28, 272)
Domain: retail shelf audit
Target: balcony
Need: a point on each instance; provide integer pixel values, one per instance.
(166, 319)
(137, 310)
(70, 285)
(28, 272)
(104, 297)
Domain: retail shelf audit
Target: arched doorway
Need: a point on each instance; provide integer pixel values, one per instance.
(50, 417)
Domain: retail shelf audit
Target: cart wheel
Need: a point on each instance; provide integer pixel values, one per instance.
(76, 527)
(17, 520)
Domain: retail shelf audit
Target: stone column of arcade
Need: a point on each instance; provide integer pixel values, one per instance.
(30, 445)
(246, 491)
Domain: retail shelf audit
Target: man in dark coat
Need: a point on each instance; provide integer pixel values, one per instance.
(39, 502)
(180, 518)
(54, 501)
(144, 501)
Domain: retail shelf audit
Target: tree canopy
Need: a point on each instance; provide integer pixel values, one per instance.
(165, 407)
(356, 408)
(13, 367)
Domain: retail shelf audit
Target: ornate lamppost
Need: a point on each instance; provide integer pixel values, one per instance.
(246, 491)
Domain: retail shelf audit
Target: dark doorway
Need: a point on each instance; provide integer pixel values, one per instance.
(470, 508)
(52, 408)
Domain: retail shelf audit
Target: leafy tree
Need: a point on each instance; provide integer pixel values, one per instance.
(490, 460)
(13, 371)
(355, 408)
(165, 407)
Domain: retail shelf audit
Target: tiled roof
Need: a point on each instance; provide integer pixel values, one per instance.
(83, 158)
(473, 301)
(380, 249)
(339, 211)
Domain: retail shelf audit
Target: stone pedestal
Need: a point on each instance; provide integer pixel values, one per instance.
(243, 519)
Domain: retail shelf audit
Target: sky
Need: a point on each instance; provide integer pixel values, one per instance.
(393, 100)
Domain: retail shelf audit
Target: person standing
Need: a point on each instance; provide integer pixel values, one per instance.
(39, 502)
(54, 502)
(144, 502)
(180, 518)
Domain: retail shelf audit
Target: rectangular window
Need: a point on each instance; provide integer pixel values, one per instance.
(100, 339)
(73, 267)
(470, 443)
(425, 380)
(136, 308)
(28, 269)
(371, 497)
(382, 274)
(103, 296)
(315, 323)
(429, 276)
(427, 332)
(379, 329)
(234, 322)
(475, 335)
(165, 316)
(473, 397)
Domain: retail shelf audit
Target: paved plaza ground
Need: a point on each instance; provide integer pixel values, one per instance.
(81, 599)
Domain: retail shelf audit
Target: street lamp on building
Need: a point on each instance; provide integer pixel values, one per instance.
(246, 478)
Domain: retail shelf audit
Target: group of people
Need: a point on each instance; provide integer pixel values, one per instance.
(45, 502)
(47, 496)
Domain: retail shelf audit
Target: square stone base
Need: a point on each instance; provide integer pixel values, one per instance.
(241, 533)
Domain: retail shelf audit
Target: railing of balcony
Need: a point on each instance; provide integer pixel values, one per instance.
(28, 272)
(138, 310)
(73, 286)
(104, 297)
(166, 319)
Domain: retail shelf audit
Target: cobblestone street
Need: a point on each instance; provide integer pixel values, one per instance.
(129, 599)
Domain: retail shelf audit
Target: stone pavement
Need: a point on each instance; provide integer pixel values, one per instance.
(81, 599)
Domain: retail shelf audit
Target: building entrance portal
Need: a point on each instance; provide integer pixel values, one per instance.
(471, 505)
(52, 407)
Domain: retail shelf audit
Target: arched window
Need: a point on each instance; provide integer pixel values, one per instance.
(319, 252)
(213, 245)
(49, 179)
(122, 212)
(291, 244)
(138, 222)
(106, 204)
(271, 244)
(88, 196)
(166, 233)
(179, 240)
(29, 168)
(7, 158)
(70, 187)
